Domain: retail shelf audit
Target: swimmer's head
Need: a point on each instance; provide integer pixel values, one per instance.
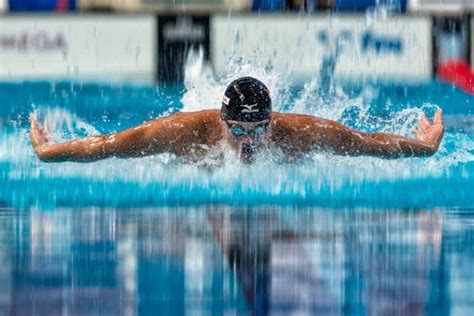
(246, 109)
(246, 100)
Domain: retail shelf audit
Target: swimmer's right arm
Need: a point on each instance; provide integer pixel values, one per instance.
(344, 141)
(168, 134)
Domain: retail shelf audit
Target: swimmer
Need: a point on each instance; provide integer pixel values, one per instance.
(246, 124)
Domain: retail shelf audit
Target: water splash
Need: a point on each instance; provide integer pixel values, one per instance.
(382, 10)
(338, 105)
(62, 125)
(204, 90)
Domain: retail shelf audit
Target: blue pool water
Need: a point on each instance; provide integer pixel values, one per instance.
(330, 235)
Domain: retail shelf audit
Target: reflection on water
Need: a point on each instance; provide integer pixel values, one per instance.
(230, 261)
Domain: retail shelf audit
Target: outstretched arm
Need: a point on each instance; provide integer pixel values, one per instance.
(175, 134)
(339, 139)
(350, 142)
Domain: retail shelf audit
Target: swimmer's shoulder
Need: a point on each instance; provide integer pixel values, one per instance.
(204, 116)
(191, 119)
(293, 120)
(210, 116)
(296, 134)
(205, 124)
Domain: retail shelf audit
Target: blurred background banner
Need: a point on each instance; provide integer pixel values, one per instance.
(177, 36)
(118, 48)
(300, 47)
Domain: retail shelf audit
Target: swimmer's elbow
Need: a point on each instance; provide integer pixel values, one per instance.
(44, 158)
(48, 155)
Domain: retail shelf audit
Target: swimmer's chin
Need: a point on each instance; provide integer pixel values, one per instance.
(247, 153)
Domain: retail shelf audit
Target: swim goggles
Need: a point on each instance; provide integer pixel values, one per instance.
(240, 131)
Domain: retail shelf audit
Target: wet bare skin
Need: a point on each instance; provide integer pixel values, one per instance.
(193, 134)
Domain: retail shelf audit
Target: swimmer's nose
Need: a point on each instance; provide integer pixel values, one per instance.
(247, 139)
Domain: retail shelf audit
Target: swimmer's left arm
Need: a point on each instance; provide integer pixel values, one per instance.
(339, 139)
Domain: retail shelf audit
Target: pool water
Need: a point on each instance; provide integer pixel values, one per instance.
(236, 261)
(329, 235)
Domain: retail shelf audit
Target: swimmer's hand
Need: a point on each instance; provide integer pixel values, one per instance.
(430, 134)
(39, 137)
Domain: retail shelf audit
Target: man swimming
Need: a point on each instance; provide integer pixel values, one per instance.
(247, 124)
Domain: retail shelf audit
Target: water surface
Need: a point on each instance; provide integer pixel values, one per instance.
(237, 261)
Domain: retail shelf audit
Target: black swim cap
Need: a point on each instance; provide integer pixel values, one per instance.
(247, 100)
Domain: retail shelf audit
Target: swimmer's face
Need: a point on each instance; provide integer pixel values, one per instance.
(247, 137)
